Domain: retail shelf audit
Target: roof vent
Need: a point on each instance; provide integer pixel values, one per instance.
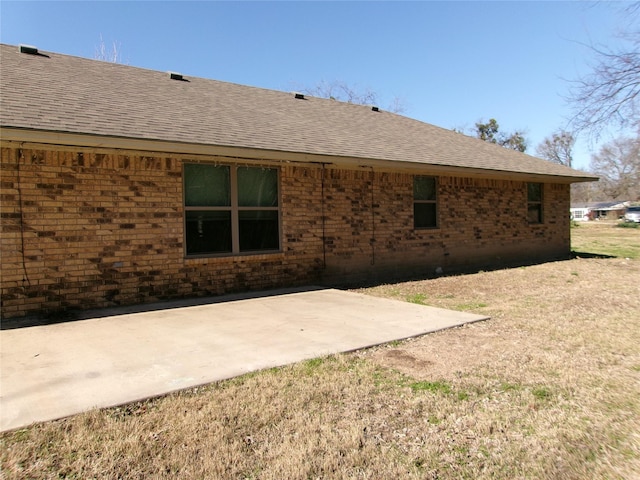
(29, 49)
(176, 76)
(375, 109)
(299, 96)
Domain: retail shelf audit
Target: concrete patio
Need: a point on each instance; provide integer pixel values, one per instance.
(117, 356)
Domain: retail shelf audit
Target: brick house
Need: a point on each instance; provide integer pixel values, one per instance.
(122, 185)
(586, 211)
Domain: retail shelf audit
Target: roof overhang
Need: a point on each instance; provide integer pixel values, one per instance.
(36, 138)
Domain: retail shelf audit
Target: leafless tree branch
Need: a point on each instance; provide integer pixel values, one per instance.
(341, 91)
(112, 55)
(610, 94)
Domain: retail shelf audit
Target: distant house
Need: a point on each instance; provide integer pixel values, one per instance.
(122, 185)
(580, 214)
(598, 211)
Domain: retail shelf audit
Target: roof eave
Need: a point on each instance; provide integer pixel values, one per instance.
(59, 139)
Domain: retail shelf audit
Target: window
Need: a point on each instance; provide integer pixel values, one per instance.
(534, 202)
(425, 205)
(578, 214)
(230, 210)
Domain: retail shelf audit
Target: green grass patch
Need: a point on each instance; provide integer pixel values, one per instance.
(628, 225)
(433, 420)
(509, 387)
(462, 396)
(389, 378)
(625, 252)
(607, 240)
(417, 298)
(433, 387)
(313, 365)
(541, 393)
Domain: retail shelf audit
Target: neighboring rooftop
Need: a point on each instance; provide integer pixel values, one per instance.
(616, 205)
(60, 93)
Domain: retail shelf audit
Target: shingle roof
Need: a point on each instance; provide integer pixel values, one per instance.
(61, 93)
(600, 205)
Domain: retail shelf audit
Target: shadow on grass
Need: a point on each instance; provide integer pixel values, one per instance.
(449, 271)
(590, 255)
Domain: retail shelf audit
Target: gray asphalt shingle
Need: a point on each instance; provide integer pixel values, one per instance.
(61, 93)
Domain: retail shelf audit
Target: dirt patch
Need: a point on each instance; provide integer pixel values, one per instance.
(403, 359)
(446, 354)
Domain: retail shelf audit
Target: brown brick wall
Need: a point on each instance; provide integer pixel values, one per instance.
(82, 229)
(482, 223)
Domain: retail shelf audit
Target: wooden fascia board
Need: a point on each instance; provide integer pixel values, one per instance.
(123, 144)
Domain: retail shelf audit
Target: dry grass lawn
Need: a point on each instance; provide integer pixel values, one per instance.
(549, 388)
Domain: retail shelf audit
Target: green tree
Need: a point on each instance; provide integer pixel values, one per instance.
(490, 132)
(557, 148)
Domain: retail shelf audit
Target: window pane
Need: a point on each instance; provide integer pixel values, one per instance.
(534, 192)
(534, 213)
(257, 187)
(206, 185)
(424, 215)
(258, 230)
(424, 188)
(208, 232)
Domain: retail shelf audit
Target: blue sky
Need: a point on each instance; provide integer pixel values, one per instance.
(452, 63)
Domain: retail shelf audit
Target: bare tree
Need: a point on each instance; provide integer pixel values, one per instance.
(618, 166)
(610, 94)
(586, 192)
(341, 91)
(557, 148)
(106, 54)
